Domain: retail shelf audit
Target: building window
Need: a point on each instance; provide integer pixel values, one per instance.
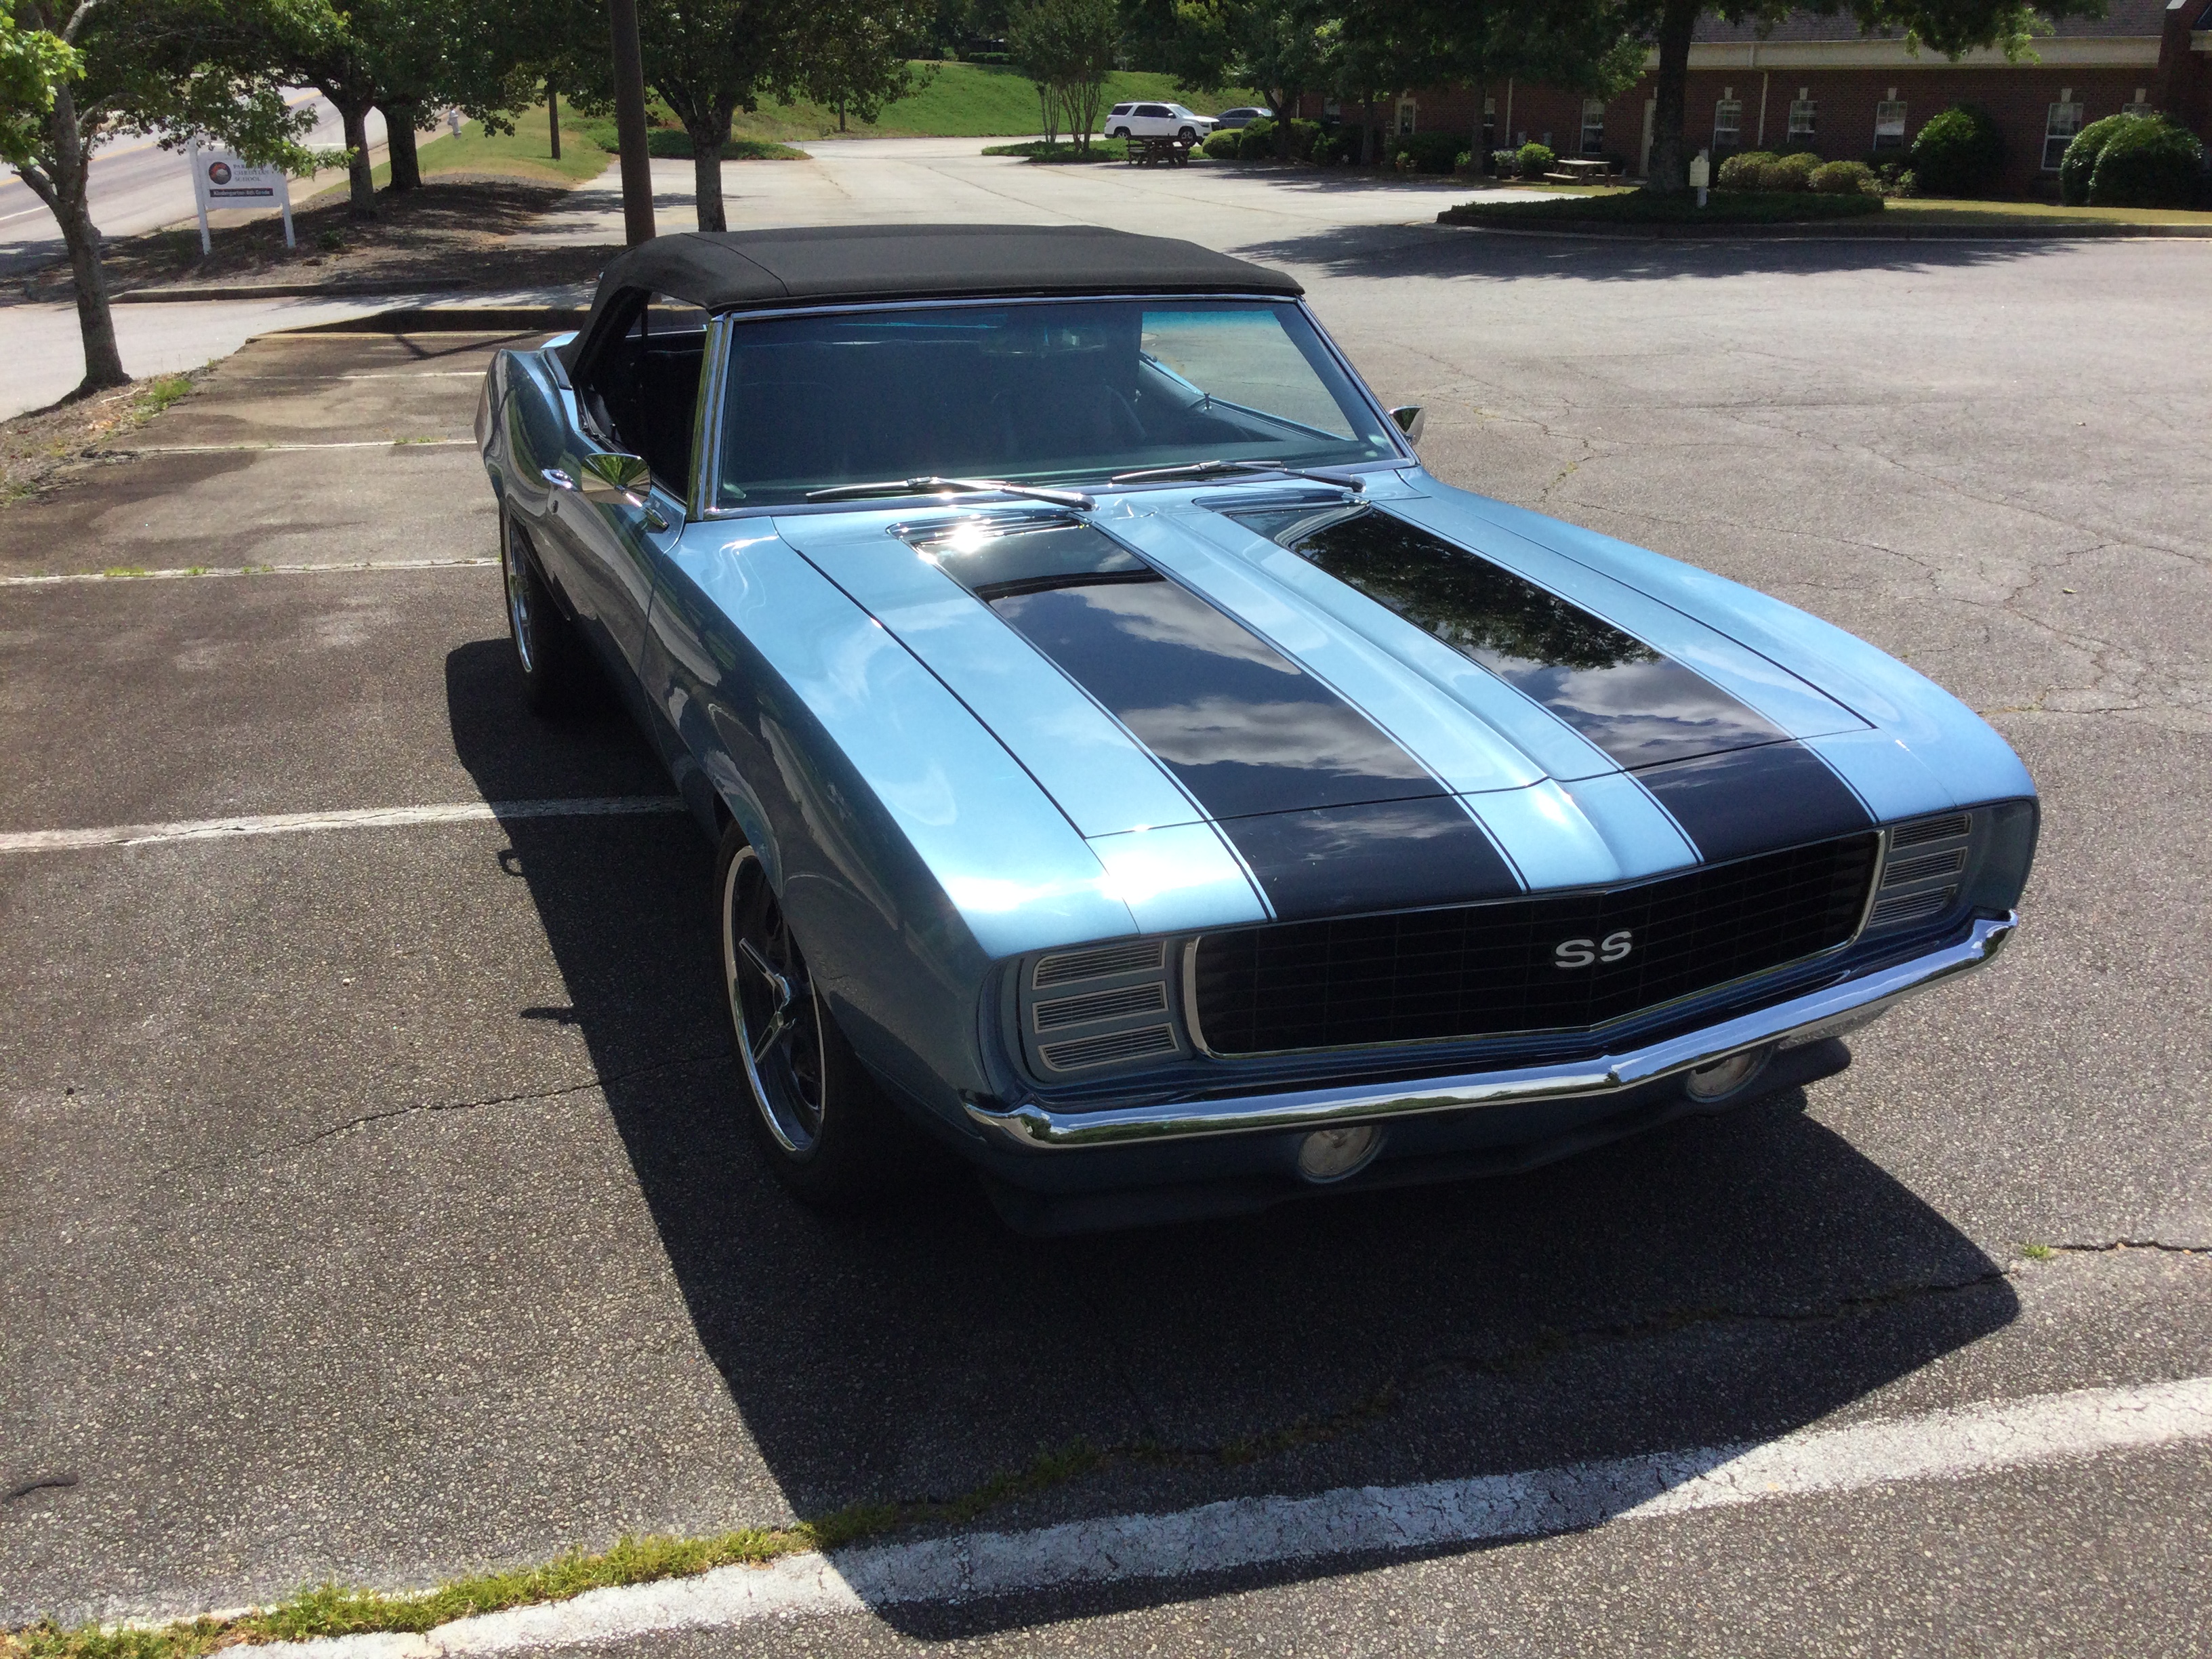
(2140, 104)
(1801, 110)
(1889, 123)
(1331, 110)
(2059, 127)
(1728, 125)
(1406, 111)
(1593, 126)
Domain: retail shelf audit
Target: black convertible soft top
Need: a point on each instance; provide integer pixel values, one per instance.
(721, 271)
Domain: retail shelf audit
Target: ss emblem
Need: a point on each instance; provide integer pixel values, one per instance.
(1582, 953)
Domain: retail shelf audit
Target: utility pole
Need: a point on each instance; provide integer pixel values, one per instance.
(629, 124)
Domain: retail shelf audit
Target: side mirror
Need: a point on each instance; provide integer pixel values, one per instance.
(1411, 418)
(614, 479)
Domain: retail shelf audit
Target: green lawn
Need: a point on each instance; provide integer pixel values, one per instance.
(967, 101)
(525, 152)
(1928, 209)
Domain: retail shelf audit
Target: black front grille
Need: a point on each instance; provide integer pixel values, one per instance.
(1486, 970)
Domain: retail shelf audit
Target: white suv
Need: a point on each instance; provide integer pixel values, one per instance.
(1156, 121)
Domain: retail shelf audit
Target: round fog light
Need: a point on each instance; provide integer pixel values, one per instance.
(1333, 1154)
(1724, 1077)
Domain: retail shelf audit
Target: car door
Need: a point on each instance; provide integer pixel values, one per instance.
(1153, 121)
(637, 395)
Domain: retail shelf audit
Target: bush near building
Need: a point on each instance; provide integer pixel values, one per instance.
(1960, 153)
(2149, 163)
(2081, 158)
(1430, 152)
(1844, 179)
(1793, 171)
(1535, 161)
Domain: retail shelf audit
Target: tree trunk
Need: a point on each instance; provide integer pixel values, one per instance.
(95, 322)
(1282, 105)
(360, 175)
(707, 138)
(1669, 172)
(399, 142)
(553, 116)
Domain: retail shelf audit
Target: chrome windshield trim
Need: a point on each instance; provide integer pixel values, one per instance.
(1801, 1019)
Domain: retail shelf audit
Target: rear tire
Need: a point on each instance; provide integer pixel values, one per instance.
(554, 661)
(823, 1122)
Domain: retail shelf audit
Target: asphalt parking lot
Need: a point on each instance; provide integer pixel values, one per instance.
(374, 1204)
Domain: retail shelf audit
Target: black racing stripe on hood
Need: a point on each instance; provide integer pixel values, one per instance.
(1754, 800)
(1735, 781)
(1329, 813)
(1638, 705)
(1380, 855)
(1244, 728)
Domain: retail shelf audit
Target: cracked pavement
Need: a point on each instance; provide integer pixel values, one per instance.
(374, 1205)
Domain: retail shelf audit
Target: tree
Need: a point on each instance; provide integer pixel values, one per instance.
(707, 59)
(1066, 48)
(1279, 48)
(175, 69)
(851, 55)
(1953, 27)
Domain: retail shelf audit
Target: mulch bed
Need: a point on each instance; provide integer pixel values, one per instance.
(447, 236)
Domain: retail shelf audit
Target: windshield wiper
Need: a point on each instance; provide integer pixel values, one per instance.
(1350, 481)
(931, 486)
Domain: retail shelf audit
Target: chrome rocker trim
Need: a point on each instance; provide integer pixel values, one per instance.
(1819, 1014)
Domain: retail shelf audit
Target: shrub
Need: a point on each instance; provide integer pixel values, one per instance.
(1426, 152)
(1742, 171)
(1259, 140)
(1908, 184)
(1793, 171)
(1535, 161)
(2081, 158)
(1464, 165)
(1226, 145)
(1506, 162)
(1335, 146)
(2150, 163)
(1960, 153)
(1845, 179)
(1304, 135)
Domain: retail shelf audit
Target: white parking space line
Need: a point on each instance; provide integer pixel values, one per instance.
(364, 818)
(198, 571)
(1942, 1446)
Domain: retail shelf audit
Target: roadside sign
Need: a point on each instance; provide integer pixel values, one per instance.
(220, 179)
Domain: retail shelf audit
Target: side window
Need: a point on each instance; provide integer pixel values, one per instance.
(1889, 122)
(1728, 125)
(2060, 124)
(1802, 114)
(641, 389)
(1593, 126)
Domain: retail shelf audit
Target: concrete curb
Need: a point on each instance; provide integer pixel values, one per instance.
(455, 320)
(158, 296)
(1839, 231)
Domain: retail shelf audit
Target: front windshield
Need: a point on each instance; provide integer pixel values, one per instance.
(1060, 392)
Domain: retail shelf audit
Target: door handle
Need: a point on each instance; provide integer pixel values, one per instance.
(557, 478)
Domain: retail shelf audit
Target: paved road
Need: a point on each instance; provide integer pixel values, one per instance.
(137, 187)
(373, 1203)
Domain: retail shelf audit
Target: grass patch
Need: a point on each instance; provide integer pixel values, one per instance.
(525, 152)
(1102, 149)
(44, 448)
(2038, 1252)
(1940, 210)
(966, 100)
(1641, 207)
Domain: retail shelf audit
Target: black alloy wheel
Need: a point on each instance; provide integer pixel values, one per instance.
(827, 1131)
(557, 673)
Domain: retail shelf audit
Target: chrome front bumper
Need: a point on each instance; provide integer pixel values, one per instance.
(1809, 1019)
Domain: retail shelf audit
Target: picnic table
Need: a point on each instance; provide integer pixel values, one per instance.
(1579, 172)
(1153, 152)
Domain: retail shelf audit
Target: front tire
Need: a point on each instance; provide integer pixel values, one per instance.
(823, 1122)
(556, 668)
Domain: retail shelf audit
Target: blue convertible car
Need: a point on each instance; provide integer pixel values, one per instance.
(1135, 773)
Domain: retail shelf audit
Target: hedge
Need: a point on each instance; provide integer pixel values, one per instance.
(2081, 158)
(2149, 163)
(1960, 153)
(1844, 179)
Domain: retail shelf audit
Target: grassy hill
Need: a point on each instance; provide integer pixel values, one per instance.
(963, 100)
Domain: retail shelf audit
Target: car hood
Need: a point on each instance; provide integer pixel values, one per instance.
(1281, 702)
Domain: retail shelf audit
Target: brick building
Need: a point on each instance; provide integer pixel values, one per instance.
(1816, 82)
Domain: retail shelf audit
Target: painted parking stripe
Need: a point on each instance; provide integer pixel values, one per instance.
(364, 818)
(1354, 1522)
(196, 571)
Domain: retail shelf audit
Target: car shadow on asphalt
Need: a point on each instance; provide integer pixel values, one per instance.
(1458, 251)
(1716, 1281)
